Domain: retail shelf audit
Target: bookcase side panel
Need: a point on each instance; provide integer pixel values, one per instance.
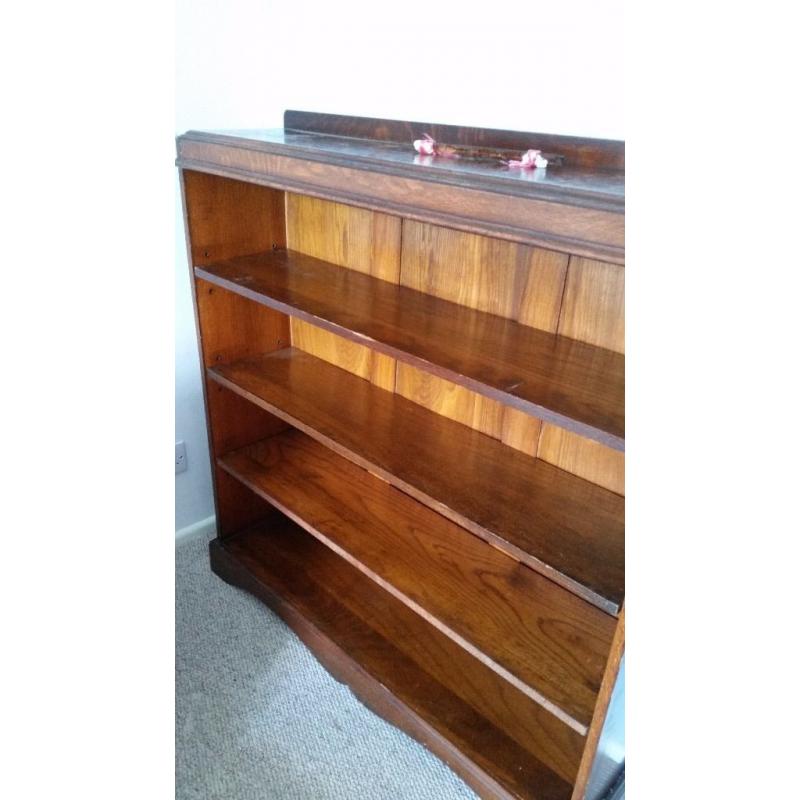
(224, 219)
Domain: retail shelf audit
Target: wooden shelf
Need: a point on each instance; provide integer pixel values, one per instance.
(542, 639)
(562, 526)
(501, 742)
(568, 383)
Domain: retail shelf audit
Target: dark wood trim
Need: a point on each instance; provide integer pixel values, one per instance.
(561, 222)
(455, 173)
(601, 709)
(199, 337)
(581, 151)
(227, 218)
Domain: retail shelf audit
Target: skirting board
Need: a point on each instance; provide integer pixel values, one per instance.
(203, 527)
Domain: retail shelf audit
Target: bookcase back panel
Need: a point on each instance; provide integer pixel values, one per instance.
(452, 401)
(511, 280)
(593, 309)
(568, 451)
(552, 291)
(356, 358)
(583, 457)
(356, 238)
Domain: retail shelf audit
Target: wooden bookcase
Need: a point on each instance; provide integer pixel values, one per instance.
(414, 386)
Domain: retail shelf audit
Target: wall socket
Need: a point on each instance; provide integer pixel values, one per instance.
(180, 457)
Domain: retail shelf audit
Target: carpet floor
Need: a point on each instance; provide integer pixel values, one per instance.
(258, 718)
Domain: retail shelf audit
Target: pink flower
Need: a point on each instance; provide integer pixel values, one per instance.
(428, 146)
(425, 146)
(529, 160)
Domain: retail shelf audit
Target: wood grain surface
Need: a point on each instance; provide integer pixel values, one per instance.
(421, 363)
(516, 207)
(601, 709)
(601, 154)
(593, 310)
(557, 379)
(228, 218)
(512, 280)
(545, 641)
(355, 238)
(583, 457)
(498, 740)
(559, 525)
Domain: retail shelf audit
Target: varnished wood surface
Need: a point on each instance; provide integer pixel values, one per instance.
(593, 309)
(354, 238)
(560, 525)
(601, 709)
(574, 184)
(226, 218)
(356, 358)
(560, 380)
(471, 718)
(521, 207)
(582, 457)
(232, 328)
(504, 278)
(545, 641)
(600, 154)
(235, 186)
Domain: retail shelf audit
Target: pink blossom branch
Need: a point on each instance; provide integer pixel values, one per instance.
(428, 146)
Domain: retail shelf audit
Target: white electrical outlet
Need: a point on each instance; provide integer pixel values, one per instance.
(180, 457)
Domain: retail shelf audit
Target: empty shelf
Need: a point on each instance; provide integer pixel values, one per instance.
(545, 641)
(569, 383)
(562, 526)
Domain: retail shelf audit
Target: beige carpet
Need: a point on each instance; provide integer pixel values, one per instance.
(258, 717)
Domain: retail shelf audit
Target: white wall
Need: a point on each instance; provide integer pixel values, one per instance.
(551, 67)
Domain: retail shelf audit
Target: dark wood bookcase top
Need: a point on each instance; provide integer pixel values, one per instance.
(457, 562)
(577, 207)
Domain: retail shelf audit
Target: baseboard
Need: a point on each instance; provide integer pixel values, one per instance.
(203, 527)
